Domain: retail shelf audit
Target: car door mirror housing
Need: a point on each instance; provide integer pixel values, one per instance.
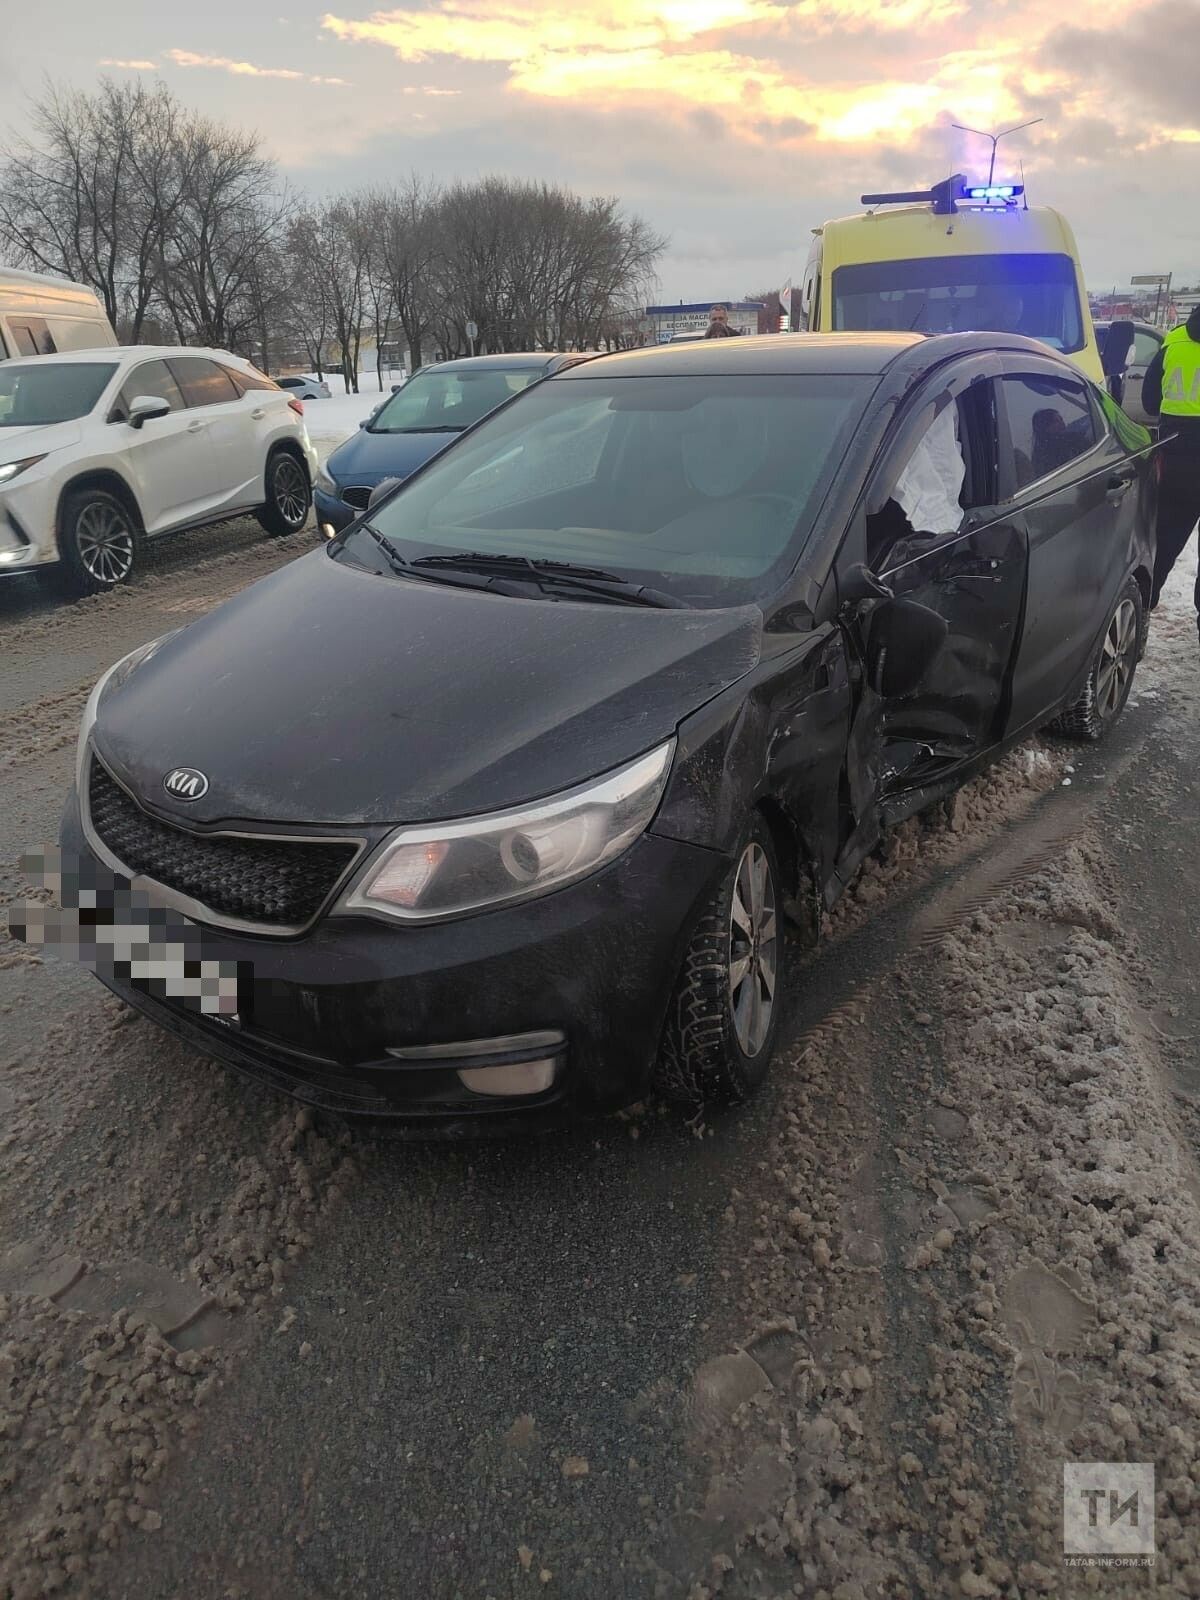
(382, 490)
(145, 408)
(858, 583)
(903, 642)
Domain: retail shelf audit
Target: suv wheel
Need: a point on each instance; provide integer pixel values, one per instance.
(288, 495)
(98, 542)
(1102, 698)
(724, 1014)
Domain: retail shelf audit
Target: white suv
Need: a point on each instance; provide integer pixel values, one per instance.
(103, 449)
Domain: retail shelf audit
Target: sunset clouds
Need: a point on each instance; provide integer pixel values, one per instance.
(840, 71)
(732, 125)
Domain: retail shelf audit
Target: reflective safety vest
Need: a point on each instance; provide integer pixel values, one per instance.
(1181, 375)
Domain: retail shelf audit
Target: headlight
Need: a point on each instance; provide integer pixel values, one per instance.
(11, 468)
(450, 868)
(117, 673)
(325, 482)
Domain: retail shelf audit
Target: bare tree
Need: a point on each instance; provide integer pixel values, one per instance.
(374, 210)
(181, 226)
(332, 245)
(227, 213)
(409, 249)
(537, 266)
(89, 194)
(309, 314)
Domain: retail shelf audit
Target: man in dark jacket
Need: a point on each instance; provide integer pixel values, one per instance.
(718, 326)
(1171, 389)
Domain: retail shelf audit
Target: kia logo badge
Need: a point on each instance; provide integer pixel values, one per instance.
(185, 783)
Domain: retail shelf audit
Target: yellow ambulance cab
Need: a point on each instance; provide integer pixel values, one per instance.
(951, 258)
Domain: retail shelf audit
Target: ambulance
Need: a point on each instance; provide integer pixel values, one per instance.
(955, 257)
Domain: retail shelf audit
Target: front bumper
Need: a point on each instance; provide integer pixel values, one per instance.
(356, 1015)
(329, 509)
(24, 543)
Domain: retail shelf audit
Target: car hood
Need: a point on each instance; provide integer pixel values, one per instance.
(367, 457)
(36, 439)
(324, 694)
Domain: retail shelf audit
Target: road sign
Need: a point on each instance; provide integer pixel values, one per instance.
(473, 330)
(1152, 277)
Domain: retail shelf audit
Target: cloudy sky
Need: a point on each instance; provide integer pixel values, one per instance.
(731, 125)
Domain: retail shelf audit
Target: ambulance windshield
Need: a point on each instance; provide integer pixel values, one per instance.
(1034, 295)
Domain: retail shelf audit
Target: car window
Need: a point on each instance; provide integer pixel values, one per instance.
(245, 379)
(448, 402)
(151, 378)
(203, 382)
(707, 487)
(1050, 423)
(33, 337)
(36, 393)
(950, 470)
(1145, 347)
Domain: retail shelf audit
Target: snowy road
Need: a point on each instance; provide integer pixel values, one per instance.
(840, 1344)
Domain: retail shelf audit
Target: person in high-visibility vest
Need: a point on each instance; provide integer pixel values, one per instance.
(1171, 389)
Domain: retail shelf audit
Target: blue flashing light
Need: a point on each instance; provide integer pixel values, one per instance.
(996, 191)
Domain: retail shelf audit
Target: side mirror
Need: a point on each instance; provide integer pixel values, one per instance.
(902, 645)
(382, 490)
(146, 407)
(859, 583)
(1118, 348)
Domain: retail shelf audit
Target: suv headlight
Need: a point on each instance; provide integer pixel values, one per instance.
(11, 468)
(325, 480)
(448, 869)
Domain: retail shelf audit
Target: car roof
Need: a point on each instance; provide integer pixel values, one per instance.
(753, 354)
(126, 352)
(513, 361)
(909, 355)
(1142, 327)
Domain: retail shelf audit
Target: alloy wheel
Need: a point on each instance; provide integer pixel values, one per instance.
(291, 490)
(1118, 657)
(753, 949)
(104, 539)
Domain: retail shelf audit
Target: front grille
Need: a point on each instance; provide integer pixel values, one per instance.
(357, 495)
(280, 883)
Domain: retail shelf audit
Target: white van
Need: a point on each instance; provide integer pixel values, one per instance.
(40, 315)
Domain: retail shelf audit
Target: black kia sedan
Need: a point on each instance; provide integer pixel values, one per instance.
(496, 804)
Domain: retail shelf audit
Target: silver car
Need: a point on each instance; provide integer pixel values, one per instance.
(305, 388)
(1147, 341)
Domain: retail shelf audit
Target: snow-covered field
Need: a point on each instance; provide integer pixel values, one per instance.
(330, 421)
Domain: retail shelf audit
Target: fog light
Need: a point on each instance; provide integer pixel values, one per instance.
(515, 1078)
(327, 530)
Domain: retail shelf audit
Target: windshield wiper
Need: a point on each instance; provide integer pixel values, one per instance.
(390, 554)
(557, 574)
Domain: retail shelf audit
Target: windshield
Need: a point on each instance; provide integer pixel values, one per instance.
(448, 402)
(1033, 295)
(37, 393)
(703, 487)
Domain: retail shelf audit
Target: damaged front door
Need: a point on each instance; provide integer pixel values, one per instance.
(933, 534)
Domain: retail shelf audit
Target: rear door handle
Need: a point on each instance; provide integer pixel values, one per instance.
(259, 413)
